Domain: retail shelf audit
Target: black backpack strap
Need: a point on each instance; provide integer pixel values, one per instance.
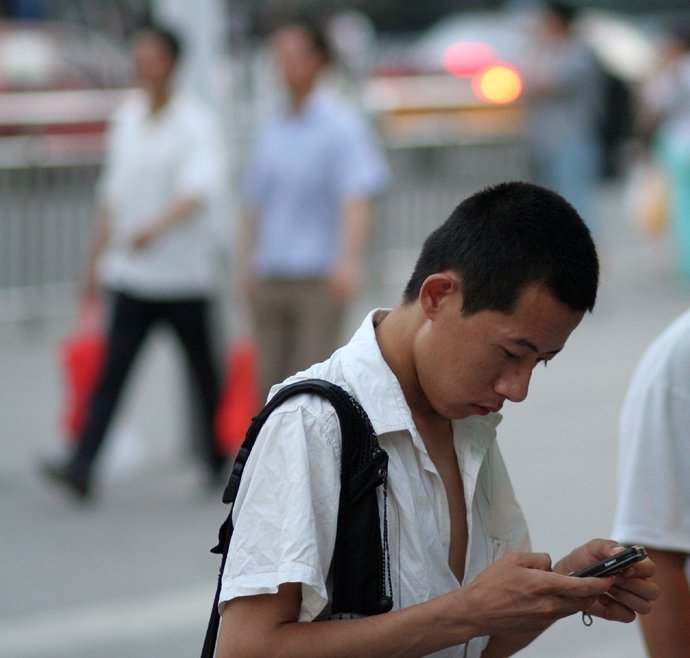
(360, 565)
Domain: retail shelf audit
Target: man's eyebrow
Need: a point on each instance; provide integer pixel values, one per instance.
(525, 342)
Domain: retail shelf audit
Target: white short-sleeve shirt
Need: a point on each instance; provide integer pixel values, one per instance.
(286, 509)
(151, 162)
(654, 446)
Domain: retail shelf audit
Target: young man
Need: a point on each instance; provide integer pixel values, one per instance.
(498, 288)
(153, 248)
(313, 172)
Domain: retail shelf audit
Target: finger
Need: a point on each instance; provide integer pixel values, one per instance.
(643, 569)
(610, 609)
(592, 586)
(587, 603)
(540, 561)
(641, 602)
(643, 587)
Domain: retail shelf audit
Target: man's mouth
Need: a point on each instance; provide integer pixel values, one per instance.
(482, 410)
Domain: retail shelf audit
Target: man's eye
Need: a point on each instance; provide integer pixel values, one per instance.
(544, 362)
(511, 356)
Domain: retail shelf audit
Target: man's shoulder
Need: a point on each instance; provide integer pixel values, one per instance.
(310, 398)
(339, 112)
(332, 370)
(666, 359)
(192, 103)
(194, 112)
(132, 106)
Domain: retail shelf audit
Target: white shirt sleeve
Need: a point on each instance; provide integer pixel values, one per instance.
(361, 167)
(654, 475)
(285, 516)
(201, 170)
(654, 446)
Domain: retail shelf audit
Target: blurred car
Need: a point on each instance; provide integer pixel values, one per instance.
(460, 79)
(463, 77)
(464, 43)
(58, 79)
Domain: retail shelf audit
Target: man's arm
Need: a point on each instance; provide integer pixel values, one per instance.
(518, 594)
(245, 253)
(99, 240)
(667, 628)
(265, 625)
(180, 210)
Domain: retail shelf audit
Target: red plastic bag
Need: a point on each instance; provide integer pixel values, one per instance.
(239, 401)
(81, 356)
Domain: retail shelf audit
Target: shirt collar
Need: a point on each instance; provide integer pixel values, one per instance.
(312, 107)
(372, 381)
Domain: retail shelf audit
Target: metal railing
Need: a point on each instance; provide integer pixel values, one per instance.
(46, 207)
(46, 193)
(428, 182)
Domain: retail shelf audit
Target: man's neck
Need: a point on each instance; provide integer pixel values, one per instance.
(395, 335)
(298, 99)
(160, 97)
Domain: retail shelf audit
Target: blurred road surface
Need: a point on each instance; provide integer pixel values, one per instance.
(132, 577)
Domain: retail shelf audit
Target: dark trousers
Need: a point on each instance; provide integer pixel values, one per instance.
(132, 320)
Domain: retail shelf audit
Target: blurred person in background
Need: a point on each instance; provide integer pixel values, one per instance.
(313, 172)
(153, 245)
(563, 88)
(654, 482)
(664, 124)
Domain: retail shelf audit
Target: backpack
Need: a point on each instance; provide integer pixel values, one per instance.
(360, 565)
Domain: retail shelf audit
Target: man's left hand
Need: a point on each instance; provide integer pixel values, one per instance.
(632, 591)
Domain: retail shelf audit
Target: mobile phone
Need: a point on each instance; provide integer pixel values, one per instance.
(614, 564)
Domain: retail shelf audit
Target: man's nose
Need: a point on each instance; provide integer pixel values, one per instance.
(513, 382)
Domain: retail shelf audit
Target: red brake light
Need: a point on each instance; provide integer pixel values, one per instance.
(466, 58)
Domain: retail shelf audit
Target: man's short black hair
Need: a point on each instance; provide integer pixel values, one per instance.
(679, 30)
(315, 31)
(565, 13)
(505, 238)
(170, 39)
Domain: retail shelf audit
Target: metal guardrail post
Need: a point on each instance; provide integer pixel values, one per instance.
(45, 214)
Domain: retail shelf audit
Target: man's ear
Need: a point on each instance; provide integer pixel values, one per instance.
(437, 290)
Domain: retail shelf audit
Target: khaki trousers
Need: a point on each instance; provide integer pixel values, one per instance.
(297, 324)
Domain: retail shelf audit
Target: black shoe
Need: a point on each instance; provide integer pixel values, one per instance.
(64, 475)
